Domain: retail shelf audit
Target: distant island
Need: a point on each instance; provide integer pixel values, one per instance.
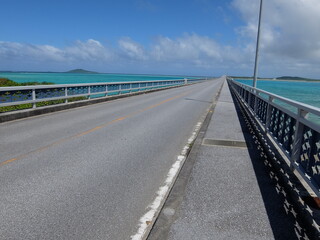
(80, 71)
(284, 78)
(296, 78)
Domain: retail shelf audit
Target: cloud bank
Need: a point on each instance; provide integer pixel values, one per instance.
(190, 51)
(290, 35)
(290, 44)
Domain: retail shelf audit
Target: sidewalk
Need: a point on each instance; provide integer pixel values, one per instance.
(229, 194)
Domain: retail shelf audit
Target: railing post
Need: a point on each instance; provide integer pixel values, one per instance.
(120, 88)
(66, 94)
(255, 101)
(185, 81)
(89, 92)
(249, 98)
(297, 137)
(34, 105)
(268, 117)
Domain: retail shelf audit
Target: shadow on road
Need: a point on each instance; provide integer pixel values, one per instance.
(283, 225)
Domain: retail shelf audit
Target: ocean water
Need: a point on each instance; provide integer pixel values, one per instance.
(305, 92)
(72, 78)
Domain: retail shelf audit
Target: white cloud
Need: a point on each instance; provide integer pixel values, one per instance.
(18, 56)
(13, 50)
(200, 51)
(90, 50)
(188, 48)
(190, 51)
(132, 49)
(290, 33)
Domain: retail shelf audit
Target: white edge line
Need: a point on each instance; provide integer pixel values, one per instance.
(154, 208)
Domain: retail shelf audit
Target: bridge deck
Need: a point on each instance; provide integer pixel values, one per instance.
(89, 173)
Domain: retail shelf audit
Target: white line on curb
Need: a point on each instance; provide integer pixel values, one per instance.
(155, 206)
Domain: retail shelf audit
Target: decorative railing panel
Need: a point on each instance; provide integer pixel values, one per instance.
(125, 86)
(49, 93)
(252, 100)
(15, 96)
(309, 158)
(78, 90)
(113, 87)
(135, 85)
(262, 108)
(98, 89)
(287, 122)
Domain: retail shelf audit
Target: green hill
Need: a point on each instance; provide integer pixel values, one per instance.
(79, 71)
(292, 78)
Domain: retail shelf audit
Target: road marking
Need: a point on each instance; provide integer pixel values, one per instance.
(92, 130)
(148, 219)
(8, 161)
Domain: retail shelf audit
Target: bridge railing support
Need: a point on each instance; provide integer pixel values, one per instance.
(12, 96)
(293, 126)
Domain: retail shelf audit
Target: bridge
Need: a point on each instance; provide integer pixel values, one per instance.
(209, 160)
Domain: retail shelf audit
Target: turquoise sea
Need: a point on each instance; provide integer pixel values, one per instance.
(305, 92)
(72, 78)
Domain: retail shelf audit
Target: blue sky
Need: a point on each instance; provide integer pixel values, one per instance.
(194, 37)
(60, 22)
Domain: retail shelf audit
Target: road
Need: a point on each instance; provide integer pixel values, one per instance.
(90, 172)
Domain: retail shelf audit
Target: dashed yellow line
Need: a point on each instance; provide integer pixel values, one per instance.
(8, 161)
(92, 130)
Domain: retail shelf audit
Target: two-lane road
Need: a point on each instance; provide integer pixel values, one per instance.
(90, 172)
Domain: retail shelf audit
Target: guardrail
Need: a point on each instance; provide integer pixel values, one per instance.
(291, 126)
(10, 96)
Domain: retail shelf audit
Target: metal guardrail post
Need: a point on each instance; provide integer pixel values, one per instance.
(255, 101)
(249, 99)
(268, 117)
(66, 94)
(298, 137)
(89, 92)
(34, 105)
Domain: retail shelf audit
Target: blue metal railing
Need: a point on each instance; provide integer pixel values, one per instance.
(290, 125)
(10, 96)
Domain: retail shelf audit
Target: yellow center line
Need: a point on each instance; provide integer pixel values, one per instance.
(92, 130)
(8, 161)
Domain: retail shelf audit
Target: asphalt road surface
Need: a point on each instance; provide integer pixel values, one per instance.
(90, 172)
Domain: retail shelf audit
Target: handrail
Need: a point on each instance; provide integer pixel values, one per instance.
(296, 135)
(10, 96)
